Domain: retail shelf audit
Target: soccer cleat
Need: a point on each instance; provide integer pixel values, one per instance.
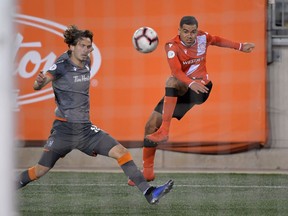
(154, 194)
(19, 184)
(158, 136)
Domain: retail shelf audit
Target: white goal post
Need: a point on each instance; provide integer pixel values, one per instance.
(7, 180)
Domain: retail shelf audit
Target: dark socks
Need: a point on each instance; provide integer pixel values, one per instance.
(23, 179)
(134, 174)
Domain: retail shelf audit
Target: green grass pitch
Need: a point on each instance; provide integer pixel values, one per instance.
(86, 193)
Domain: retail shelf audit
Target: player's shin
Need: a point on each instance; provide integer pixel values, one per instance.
(169, 105)
(170, 100)
(132, 172)
(148, 155)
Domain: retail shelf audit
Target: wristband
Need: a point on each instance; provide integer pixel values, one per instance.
(241, 46)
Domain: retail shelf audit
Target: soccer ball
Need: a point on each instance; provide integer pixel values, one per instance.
(145, 40)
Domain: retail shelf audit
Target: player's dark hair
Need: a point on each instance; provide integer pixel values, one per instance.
(188, 20)
(72, 35)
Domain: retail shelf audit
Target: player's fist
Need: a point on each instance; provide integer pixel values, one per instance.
(198, 87)
(40, 79)
(247, 47)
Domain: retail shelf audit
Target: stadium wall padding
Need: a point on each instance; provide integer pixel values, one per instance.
(126, 84)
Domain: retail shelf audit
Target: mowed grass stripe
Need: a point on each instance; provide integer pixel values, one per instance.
(175, 185)
(64, 193)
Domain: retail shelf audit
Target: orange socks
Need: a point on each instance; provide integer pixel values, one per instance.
(148, 156)
(168, 110)
(162, 134)
(124, 159)
(32, 173)
(148, 163)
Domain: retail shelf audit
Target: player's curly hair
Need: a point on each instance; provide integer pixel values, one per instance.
(72, 35)
(188, 20)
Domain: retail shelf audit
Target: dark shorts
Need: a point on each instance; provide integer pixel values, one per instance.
(186, 102)
(66, 136)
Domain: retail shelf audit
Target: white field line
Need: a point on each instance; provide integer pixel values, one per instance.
(200, 171)
(188, 186)
(196, 171)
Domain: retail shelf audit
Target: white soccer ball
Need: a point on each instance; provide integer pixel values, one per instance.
(145, 40)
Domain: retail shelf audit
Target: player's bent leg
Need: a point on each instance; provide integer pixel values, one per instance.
(173, 90)
(170, 100)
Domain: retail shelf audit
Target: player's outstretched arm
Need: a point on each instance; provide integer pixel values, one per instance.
(247, 47)
(41, 81)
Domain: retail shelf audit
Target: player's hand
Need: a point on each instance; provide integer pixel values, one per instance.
(40, 79)
(198, 87)
(247, 47)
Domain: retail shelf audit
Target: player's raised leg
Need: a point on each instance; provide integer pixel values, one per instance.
(170, 100)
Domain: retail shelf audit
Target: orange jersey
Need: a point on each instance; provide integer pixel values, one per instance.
(188, 64)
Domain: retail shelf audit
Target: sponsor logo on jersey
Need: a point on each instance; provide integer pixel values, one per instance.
(193, 61)
(33, 53)
(81, 78)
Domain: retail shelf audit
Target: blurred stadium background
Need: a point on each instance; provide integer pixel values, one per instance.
(241, 128)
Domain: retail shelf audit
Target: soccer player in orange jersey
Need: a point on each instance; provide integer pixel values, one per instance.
(188, 85)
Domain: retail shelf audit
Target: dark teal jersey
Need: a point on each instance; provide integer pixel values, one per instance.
(71, 89)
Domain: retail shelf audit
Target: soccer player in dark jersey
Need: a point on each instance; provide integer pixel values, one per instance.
(188, 85)
(72, 129)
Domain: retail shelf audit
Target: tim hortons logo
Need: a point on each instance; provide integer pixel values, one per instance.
(28, 54)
